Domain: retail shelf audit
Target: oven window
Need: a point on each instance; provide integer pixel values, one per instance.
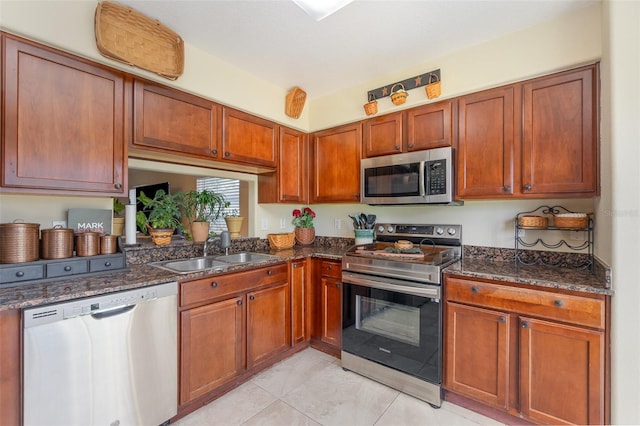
(388, 319)
(397, 181)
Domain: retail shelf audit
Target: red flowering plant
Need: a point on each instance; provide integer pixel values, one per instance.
(303, 218)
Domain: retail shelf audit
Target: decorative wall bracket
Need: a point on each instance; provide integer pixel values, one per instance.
(409, 83)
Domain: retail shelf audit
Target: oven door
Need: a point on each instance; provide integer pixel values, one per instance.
(394, 323)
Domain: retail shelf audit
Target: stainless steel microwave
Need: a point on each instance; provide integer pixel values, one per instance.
(420, 177)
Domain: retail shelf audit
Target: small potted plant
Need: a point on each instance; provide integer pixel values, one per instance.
(200, 208)
(234, 220)
(303, 221)
(163, 215)
(118, 217)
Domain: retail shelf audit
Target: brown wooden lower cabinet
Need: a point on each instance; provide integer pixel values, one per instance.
(300, 301)
(229, 325)
(327, 334)
(536, 354)
(10, 367)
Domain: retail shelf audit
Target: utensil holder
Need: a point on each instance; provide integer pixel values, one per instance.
(363, 236)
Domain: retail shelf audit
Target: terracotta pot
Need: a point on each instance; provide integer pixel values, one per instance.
(234, 225)
(305, 236)
(199, 231)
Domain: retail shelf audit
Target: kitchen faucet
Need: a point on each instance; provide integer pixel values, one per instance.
(223, 241)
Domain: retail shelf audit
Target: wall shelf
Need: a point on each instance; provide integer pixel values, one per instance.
(582, 244)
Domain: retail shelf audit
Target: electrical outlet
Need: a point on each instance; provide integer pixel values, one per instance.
(283, 223)
(62, 223)
(337, 223)
(520, 233)
(265, 224)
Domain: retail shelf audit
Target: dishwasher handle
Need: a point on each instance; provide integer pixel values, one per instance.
(111, 312)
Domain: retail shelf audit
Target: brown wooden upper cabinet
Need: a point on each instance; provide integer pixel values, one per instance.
(64, 122)
(335, 164)
(176, 122)
(535, 139)
(249, 139)
(485, 151)
(559, 145)
(290, 183)
(416, 129)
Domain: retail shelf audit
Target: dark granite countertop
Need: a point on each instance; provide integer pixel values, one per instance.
(138, 275)
(580, 280)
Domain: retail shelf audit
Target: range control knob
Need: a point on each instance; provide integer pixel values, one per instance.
(390, 229)
(380, 228)
(439, 231)
(451, 231)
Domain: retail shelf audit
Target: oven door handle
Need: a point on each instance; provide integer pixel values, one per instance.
(423, 291)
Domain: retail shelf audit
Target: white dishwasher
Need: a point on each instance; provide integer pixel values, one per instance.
(106, 360)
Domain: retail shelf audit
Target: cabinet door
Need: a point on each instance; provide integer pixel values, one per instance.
(331, 315)
(299, 302)
(249, 139)
(429, 126)
(559, 134)
(561, 373)
(485, 154)
(477, 354)
(63, 122)
(268, 323)
(10, 366)
(174, 121)
(211, 347)
(383, 135)
(335, 164)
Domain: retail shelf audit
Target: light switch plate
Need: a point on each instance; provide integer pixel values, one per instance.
(265, 224)
(283, 223)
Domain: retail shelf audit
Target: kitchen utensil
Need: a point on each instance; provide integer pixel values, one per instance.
(363, 220)
(356, 225)
(371, 220)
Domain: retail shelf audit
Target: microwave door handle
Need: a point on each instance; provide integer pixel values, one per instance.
(421, 176)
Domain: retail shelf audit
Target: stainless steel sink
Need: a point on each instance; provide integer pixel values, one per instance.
(194, 264)
(245, 257)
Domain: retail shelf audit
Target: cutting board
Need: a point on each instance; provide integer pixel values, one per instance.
(388, 254)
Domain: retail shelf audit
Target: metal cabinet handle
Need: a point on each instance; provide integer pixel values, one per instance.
(558, 303)
(329, 267)
(502, 319)
(239, 302)
(527, 187)
(214, 284)
(252, 297)
(227, 154)
(67, 268)
(337, 285)
(397, 148)
(19, 274)
(410, 145)
(474, 290)
(107, 264)
(295, 265)
(525, 324)
(506, 188)
(118, 185)
(270, 272)
(214, 151)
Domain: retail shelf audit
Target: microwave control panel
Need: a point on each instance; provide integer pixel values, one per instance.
(437, 177)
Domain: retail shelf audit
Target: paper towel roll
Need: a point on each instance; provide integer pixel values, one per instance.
(130, 223)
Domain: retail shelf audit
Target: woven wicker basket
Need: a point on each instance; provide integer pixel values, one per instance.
(128, 36)
(282, 241)
(371, 107)
(433, 89)
(19, 242)
(399, 96)
(571, 222)
(57, 243)
(532, 221)
(161, 237)
(295, 102)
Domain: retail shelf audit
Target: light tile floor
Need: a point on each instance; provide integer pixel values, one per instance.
(311, 388)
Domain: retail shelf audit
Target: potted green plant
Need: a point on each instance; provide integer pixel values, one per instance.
(234, 221)
(164, 213)
(200, 208)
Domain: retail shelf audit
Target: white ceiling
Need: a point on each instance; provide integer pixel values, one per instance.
(277, 41)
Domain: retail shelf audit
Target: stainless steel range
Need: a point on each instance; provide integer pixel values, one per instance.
(392, 315)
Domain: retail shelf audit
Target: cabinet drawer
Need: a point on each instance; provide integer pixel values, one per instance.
(217, 286)
(330, 269)
(21, 273)
(116, 262)
(72, 267)
(555, 306)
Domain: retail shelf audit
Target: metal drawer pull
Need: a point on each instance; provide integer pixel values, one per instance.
(474, 290)
(269, 272)
(525, 324)
(558, 303)
(19, 274)
(252, 297)
(502, 319)
(67, 268)
(214, 284)
(107, 264)
(239, 302)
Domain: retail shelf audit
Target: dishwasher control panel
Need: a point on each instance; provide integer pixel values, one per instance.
(61, 311)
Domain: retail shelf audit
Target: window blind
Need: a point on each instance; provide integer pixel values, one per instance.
(231, 190)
